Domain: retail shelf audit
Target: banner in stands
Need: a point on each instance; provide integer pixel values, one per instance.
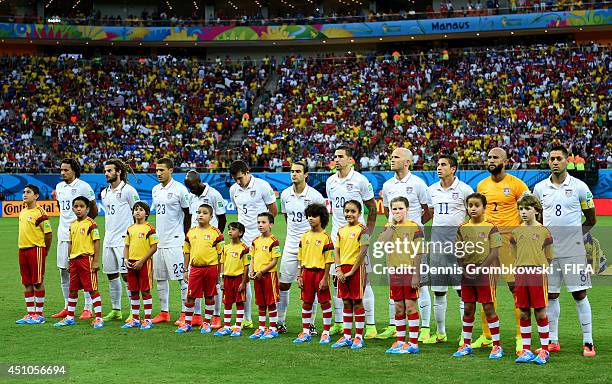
(513, 22)
(11, 185)
(12, 208)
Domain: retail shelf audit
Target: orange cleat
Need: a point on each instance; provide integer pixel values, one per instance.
(196, 320)
(162, 317)
(588, 350)
(554, 347)
(86, 314)
(216, 323)
(61, 314)
(181, 320)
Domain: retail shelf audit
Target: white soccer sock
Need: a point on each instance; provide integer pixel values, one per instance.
(424, 306)
(184, 286)
(584, 316)
(338, 308)
(554, 311)
(197, 308)
(65, 284)
(283, 303)
(114, 286)
(315, 305)
(163, 292)
(87, 297)
(247, 304)
(392, 313)
(440, 313)
(368, 304)
(461, 308)
(218, 301)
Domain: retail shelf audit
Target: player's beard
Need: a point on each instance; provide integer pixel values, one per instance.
(114, 179)
(497, 170)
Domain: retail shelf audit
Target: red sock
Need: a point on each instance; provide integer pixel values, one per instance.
(272, 314)
(239, 313)
(359, 322)
(96, 302)
(543, 331)
(72, 302)
(209, 308)
(326, 308)
(306, 316)
(188, 312)
(494, 328)
(227, 315)
(262, 317)
(413, 328)
(40, 302)
(348, 322)
(147, 304)
(400, 326)
(30, 305)
(468, 325)
(526, 333)
(135, 302)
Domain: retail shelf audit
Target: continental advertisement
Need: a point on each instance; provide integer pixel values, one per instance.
(12, 208)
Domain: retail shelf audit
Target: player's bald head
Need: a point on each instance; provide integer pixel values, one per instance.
(193, 182)
(402, 153)
(499, 152)
(192, 176)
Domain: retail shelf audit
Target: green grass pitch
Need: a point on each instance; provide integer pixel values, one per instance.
(161, 356)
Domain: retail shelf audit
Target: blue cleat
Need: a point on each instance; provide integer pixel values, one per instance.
(395, 348)
(409, 348)
(497, 352)
(463, 350)
(223, 332)
(257, 334)
(97, 324)
(24, 320)
(36, 319)
(358, 343)
(184, 329)
(343, 342)
(146, 325)
(236, 332)
(269, 334)
(205, 328)
(325, 339)
(65, 322)
(525, 356)
(542, 357)
(131, 324)
(302, 338)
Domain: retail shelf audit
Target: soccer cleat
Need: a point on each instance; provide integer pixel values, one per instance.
(269, 334)
(370, 331)
(387, 333)
(394, 349)
(205, 328)
(216, 323)
(409, 348)
(257, 334)
(313, 330)
(129, 318)
(196, 320)
(65, 322)
(184, 329)
(115, 314)
(358, 343)
(424, 334)
(223, 332)
(325, 338)
(464, 350)
(98, 323)
(335, 329)
(496, 353)
(342, 342)
(247, 324)
(36, 319)
(588, 350)
(282, 328)
(146, 325)
(519, 344)
(162, 317)
(554, 347)
(542, 357)
(435, 339)
(302, 338)
(482, 342)
(525, 356)
(24, 320)
(181, 320)
(61, 314)
(86, 314)
(236, 332)
(131, 324)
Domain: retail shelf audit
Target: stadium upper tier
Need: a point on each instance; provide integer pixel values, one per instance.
(522, 98)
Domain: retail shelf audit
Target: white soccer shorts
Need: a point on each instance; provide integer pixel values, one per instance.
(112, 260)
(62, 254)
(168, 264)
(571, 270)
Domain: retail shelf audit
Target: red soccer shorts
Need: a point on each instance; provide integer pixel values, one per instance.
(266, 289)
(32, 265)
(231, 290)
(480, 289)
(203, 281)
(142, 279)
(401, 287)
(82, 275)
(311, 278)
(531, 290)
(352, 288)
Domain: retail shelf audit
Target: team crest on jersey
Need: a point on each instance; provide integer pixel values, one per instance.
(307, 202)
(353, 235)
(82, 231)
(253, 193)
(207, 237)
(264, 248)
(408, 189)
(118, 195)
(568, 193)
(73, 191)
(30, 219)
(234, 254)
(318, 243)
(169, 195)
(535, 236)
(482, 235)
(507, 191)
(455, 195)
(141, 235)
(349, 186)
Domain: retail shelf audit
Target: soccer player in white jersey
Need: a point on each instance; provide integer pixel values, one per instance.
(347, 184)
(202, 193)
(118, 198)
(448, 209)
(564, 200)
(294, 200)
(413, 188)
(251, 196)
(172, 221)
(70, 187)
